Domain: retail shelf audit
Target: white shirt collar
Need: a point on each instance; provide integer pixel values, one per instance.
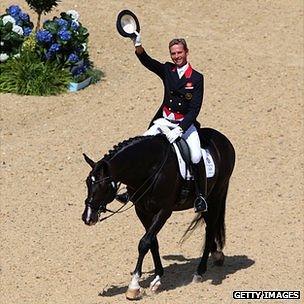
(181, 71)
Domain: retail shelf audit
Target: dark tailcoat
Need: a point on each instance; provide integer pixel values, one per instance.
(182, 97)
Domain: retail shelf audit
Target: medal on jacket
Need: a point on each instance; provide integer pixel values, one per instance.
(188, 96)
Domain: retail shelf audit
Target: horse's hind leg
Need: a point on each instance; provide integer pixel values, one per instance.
(215, 232)
(217, 254)
(202, 267)
(218, 258)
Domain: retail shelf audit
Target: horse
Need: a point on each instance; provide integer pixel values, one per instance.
(148, 166)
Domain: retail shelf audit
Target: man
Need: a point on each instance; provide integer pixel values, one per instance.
(183, 97)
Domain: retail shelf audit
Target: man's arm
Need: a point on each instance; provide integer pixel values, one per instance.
(150, 63)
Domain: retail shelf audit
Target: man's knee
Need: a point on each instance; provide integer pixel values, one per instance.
(196, 156)
(152, 131)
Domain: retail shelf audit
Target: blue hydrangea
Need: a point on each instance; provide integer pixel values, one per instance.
(27, 31)
(73, 58)
(62, 23)
(64, 35)
(14, 10)
(44, 36)
(78, 70)
(24, 17)
(55, 47)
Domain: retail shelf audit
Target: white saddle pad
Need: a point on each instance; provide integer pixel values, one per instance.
(208, 160)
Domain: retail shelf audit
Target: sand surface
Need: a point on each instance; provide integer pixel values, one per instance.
(251, 53)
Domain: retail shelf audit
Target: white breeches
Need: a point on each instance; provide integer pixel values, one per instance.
(190, 136)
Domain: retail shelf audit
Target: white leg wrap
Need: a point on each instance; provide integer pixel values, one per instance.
(197, 278)
(155, 284)
(134, 282)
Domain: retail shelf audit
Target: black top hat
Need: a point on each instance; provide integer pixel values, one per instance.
(127, 23)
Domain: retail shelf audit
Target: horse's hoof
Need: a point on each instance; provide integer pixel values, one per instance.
(218, 258)
(155, 284)
(134, 294)
(197, 278)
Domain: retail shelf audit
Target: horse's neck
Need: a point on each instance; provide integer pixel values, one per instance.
(135, 162)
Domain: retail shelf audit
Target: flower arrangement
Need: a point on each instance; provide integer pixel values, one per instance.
(60, 45)
(15, 26)
(65, 41)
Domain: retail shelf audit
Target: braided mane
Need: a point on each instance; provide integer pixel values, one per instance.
(117, 148)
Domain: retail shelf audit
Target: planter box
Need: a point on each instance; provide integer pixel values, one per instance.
(76, 86)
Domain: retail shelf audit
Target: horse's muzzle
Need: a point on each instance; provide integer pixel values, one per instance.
(89, 216)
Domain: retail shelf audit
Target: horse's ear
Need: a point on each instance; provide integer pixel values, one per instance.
(89, 161)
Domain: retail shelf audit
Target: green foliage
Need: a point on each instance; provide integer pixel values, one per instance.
(42, 6)
(11, 40)
(95, 75)
(27, 75)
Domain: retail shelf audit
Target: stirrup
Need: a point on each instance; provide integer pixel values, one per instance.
(200, 204)
(123, 198)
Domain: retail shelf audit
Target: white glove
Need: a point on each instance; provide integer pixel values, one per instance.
(173, 134)
(137, 39)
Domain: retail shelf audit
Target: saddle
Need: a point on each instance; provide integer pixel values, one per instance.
(182, 152)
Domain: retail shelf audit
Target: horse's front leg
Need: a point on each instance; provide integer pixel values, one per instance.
(159, 270)
(148, 242)
(146, 219)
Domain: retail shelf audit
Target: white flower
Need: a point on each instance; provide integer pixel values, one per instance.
(74, 14)
(17, 55)
(1, 43)
(17, 29)
(7, 19)
(75, 22)
(84, 46)
(3, 57)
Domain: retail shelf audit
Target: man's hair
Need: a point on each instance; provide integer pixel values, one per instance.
(181, 41)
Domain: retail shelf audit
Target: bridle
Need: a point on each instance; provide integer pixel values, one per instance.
(102, 208)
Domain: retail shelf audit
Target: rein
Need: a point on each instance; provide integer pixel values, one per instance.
(154, 176)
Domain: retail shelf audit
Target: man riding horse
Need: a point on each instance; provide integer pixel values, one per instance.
(183, 97)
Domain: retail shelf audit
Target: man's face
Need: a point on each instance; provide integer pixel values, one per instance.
(178, 55)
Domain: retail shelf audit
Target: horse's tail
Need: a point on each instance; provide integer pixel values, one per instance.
(197, 221)
(220, 229)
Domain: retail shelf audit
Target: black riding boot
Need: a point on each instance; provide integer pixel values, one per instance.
(123, 197)
(200, 180)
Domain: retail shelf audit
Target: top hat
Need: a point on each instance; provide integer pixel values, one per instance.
(127, 24)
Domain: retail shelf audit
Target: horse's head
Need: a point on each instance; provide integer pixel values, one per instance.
(101, 191)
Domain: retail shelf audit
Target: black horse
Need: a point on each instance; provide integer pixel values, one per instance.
(148, 166)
